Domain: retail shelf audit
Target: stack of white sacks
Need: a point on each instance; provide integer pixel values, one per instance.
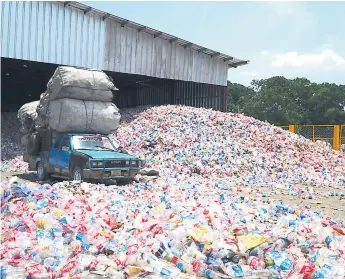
(76, 100)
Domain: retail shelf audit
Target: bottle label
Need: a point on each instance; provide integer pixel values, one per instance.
(292, 223)
(165, 272)
(39, 233)
(132, 249)
(93, 264)
(68, 267)
(80, 237)
(286, 264)
(319, 275)
(35, 269)
(63, 220)
(196, 266)
(326, 266)
(237, 270)
(328, 240)
(208, 273)
(174, 260)
(254, 262)
(180, 266)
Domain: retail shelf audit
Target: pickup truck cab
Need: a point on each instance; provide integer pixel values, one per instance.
(84, 157)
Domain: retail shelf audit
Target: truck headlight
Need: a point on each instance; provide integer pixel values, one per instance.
(134, 163)
(96, 164)
(127, 163)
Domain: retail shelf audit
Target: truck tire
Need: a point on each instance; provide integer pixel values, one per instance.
(42, 174)
(77, 173)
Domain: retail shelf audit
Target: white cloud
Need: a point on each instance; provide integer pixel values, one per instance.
(325, 59)
(264, 52)
(250, 73)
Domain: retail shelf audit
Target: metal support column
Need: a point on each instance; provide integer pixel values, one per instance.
(225, 99)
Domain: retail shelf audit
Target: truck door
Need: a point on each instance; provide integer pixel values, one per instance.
(53, 155)
(60, 155)
(63, 154)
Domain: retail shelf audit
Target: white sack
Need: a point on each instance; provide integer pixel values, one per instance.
(42, 111)
(81, 84)
(27, 115)
(69, 115)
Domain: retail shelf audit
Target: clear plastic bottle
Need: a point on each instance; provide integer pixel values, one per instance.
(51, 264)
(12, 273)
(208, 273)
(193, 252)
(234, 270)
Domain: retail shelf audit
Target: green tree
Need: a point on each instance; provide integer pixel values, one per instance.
(282, 101)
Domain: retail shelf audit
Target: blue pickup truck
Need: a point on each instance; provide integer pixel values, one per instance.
(82, 157)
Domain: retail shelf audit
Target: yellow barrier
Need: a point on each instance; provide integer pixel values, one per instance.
(333, 134)
(342, 137)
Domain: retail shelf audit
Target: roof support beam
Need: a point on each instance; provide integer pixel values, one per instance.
(173, 40)
(235, 65)
(228, 59)
(157, 34)
(187, 45)
(105, 17)
(87, 10)
(201, 49)
(66, 3)
(123, 23)
(215, 54)
(142, 29)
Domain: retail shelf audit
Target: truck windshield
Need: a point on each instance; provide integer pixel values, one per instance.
(92, 143)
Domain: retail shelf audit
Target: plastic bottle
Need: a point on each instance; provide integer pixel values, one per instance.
(256, 263)
(193, 252)
(51, 264)
(234, 270)
(12, 273)
(212, 274)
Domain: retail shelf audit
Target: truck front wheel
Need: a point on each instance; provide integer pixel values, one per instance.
(41, 172)
(77, 174)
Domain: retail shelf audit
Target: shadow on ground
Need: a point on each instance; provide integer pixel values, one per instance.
(31, 177)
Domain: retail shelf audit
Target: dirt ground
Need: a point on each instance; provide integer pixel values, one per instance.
(333, 206)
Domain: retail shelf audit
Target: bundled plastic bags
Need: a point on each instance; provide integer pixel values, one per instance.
(78, 100)
(27, 115)
(69, 115)
(81, 84)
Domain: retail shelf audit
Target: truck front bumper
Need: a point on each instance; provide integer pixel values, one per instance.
(108, 174)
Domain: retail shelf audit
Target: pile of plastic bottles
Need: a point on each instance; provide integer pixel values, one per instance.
(179, 140)
(168, 228)
(210, 214)
(11, 149)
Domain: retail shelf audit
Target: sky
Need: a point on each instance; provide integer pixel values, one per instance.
(290, 39)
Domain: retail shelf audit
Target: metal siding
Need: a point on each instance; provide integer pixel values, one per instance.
(50, 33)
(116, 50)
(158, 57)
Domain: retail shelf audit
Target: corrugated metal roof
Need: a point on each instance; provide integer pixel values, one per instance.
(60, 33)
(231, 61)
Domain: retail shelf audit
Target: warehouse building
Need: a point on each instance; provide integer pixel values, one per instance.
(148, 66)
